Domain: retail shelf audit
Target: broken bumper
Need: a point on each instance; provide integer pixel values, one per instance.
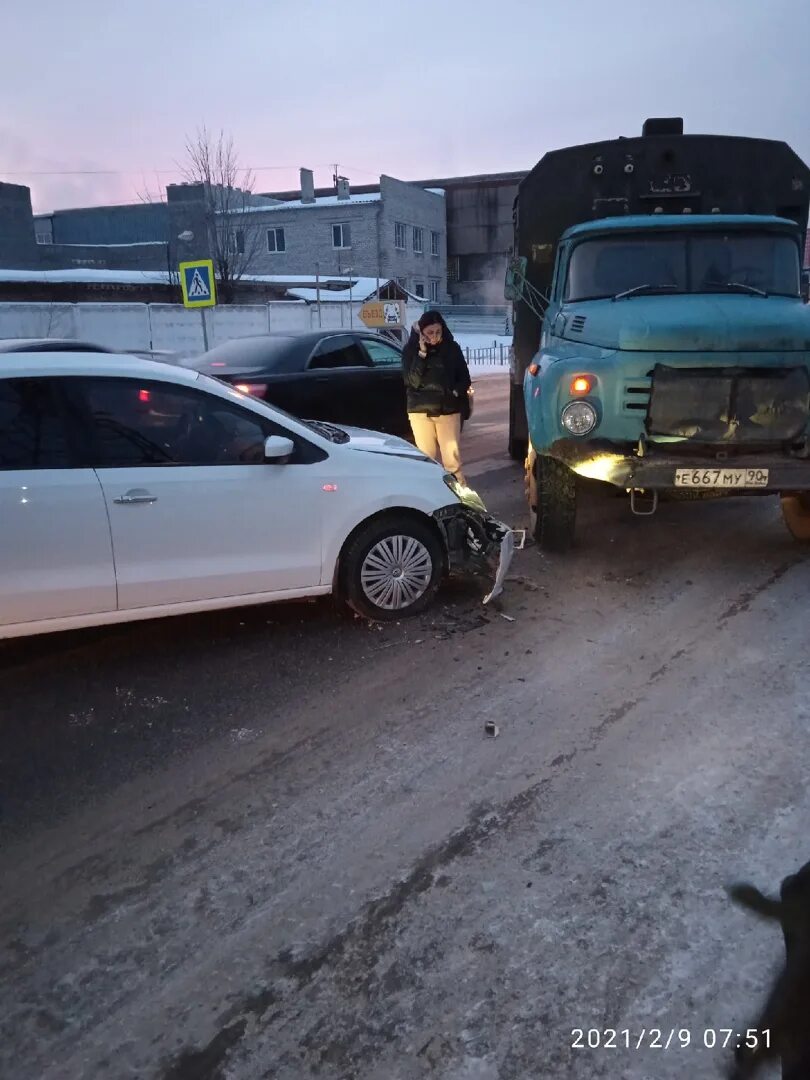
(476, 542)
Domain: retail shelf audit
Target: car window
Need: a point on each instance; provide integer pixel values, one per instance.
(158, 423)
(33, 434)
(338, 352)
(382, 355)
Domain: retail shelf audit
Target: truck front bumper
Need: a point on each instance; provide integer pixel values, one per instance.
(662, 469)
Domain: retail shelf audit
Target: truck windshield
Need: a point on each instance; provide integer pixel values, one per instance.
(698, 262)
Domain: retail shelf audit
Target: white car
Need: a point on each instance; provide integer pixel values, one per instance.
(131, 489)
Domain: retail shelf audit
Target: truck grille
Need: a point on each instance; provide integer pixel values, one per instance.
(637, 396)
(729, 405)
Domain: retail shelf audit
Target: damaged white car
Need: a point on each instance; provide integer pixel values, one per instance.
(131, 490)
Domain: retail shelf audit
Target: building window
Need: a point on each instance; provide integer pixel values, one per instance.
(341, 236)
(240, 241)
(453, 269)
(399, 236)
(418, 240)
(434, 243)
(419, 289)
(434, 290)
(276, 240)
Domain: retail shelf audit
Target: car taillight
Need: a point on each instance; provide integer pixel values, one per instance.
(255, 389)
(144, 395)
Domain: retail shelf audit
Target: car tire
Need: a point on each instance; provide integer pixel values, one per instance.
(796, 515)
(368, 578)
(552, 492)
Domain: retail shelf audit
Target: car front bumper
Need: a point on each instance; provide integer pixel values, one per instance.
(476, 542)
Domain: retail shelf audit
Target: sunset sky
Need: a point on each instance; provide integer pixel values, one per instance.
(96, 99)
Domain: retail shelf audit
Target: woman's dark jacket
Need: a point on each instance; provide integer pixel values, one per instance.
(436, 384)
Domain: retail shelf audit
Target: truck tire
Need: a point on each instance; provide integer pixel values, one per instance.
(552, 491)
(796, 514)
(518, 436)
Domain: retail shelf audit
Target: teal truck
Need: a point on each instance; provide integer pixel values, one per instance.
(662, 335)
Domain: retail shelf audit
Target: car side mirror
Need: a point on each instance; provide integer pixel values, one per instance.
(277, 448)
(805, 287)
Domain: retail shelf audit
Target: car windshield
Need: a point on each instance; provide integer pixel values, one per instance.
(696, 262)
(240, 353)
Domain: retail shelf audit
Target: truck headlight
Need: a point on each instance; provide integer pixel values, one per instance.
(579, 418)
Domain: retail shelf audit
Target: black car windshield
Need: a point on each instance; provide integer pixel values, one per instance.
(695, 262)
(326, 431)
(240, 354)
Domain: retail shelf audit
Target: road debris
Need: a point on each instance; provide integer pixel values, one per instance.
(491, 729)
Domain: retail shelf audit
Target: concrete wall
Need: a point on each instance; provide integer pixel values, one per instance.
(18, 248)
(102, 257)
(133, 327)
(135, 224)
(479, 236)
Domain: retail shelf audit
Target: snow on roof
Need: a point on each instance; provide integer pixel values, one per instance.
(334, 288)
(85, 277)
(324, 200)
(436, 191)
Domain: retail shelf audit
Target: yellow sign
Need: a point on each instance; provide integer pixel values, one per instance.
(379, 313)
(198, 284)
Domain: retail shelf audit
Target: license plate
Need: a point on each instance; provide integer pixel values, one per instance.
(721, 478)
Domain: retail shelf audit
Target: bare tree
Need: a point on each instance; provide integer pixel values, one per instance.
(234, 241)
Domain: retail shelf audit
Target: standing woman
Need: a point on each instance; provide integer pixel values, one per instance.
(438, 381)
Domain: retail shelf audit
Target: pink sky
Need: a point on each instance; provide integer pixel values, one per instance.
(426, 89)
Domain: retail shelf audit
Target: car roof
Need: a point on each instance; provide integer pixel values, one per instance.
(124, 365)
(50, 345)
(288, 352)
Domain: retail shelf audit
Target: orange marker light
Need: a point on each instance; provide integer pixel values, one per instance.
(533, 369)
(581, 385)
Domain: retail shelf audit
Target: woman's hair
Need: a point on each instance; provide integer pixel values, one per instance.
(431, 318)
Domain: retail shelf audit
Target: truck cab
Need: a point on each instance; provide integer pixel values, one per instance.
(674, 355)
(661, 340)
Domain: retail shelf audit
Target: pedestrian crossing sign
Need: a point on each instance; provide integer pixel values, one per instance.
(197, 283)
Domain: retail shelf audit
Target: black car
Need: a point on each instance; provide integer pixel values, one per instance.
(343, 377)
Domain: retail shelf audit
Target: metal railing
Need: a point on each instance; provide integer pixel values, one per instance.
(499, 355)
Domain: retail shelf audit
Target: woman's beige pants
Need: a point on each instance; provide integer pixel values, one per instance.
(439, 434)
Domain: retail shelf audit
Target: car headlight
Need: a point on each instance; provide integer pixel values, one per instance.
(579, 418)
(464, 494)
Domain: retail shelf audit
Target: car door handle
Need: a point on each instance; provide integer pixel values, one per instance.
(138, 495)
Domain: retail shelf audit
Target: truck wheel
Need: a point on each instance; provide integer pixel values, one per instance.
(552, 491)
(796, 514)
(391, 567)
(518, 442)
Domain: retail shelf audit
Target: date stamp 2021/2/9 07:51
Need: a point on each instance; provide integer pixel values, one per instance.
(673, 1038)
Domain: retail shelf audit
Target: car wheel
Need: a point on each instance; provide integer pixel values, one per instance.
(552, 492)
(796, 515)
(391, 568)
